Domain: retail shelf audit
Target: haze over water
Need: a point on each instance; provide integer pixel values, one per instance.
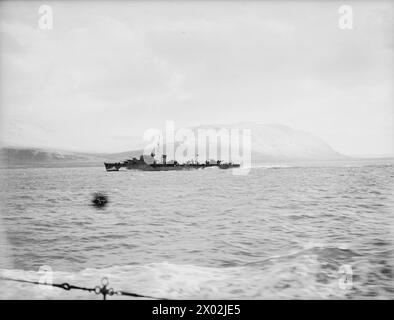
(279, 232)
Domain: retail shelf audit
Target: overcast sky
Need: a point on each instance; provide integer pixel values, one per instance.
(109, 70)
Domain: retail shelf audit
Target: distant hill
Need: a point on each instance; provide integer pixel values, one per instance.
(270, 143)
(37, 157)
(13, 156)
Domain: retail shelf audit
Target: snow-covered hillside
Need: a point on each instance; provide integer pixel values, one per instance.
(278, 142)
(268, 143)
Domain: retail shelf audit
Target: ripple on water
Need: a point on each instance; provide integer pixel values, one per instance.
(277, 233)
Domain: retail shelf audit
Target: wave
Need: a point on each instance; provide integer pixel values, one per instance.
(175, 281)
(272, 166)
(309, 272)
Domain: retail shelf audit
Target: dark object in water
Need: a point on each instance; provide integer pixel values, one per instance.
(99, 199)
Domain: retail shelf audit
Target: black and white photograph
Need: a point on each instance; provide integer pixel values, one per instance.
(196, 150)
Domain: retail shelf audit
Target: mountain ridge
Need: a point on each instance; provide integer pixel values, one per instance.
(270, 143)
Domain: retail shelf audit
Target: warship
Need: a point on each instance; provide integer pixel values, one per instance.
(149, 163)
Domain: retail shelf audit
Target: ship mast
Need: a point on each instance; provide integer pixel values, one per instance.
(158, 157)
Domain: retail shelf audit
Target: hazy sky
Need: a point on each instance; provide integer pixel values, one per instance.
(109, 70)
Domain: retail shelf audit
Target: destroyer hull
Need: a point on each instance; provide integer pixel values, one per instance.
(164, 167)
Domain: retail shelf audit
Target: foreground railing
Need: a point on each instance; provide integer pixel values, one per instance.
(103, 289)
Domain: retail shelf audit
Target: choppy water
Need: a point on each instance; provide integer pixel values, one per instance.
(275, 233)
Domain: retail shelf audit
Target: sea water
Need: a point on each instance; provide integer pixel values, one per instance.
(284, 231)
